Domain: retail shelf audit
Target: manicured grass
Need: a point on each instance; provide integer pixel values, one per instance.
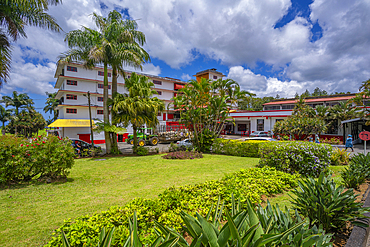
(28, 214)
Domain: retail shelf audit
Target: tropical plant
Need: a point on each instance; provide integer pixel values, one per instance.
(115, 43)
(357, 171)
(339, 157)
(361, 97)
(105, 239)
(4, 115)
(18, 101)
(51, 104)
(344, 111)
(138, 107)
(205, 105)
(327, 204)
(26, 123)
(15, 15)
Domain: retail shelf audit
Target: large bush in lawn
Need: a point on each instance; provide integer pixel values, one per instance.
(306, 158)
(246, 184)
(236, 147)
(22, 160)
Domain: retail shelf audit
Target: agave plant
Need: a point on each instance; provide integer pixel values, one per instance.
(105, 239)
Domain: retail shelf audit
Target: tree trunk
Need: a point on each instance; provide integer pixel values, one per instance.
(134, 128)
(108, 143)
(114, 91)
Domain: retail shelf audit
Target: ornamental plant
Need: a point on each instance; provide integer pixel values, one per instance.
(236, 147)
(357, 171)
(306, 158)
(183, 155)
(22, 160)
(326, 204)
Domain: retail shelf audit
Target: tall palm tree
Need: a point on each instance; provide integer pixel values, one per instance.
(138, 107)
(115, 44)
(15, 15)
(18, 101)
(51, 104)
(4, 115)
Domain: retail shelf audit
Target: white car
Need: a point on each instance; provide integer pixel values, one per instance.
(260, 139)
(259, 134)
(186, 143)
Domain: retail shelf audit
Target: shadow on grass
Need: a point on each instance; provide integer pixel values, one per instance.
(36, 183)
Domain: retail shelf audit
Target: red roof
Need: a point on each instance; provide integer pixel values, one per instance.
(293, 101)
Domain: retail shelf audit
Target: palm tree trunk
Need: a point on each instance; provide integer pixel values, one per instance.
(114, 91)
(108, 143)
(134, 127)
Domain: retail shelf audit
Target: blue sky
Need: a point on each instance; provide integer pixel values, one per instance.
(269, 46)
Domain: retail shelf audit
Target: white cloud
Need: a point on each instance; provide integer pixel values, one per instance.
(247, 79)
(185, 77)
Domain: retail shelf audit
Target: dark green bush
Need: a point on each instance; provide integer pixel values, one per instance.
(21, 160)
(250, 183)
(142, 151)
(182, 155)
(306, 158)
(236, 147)
(326, 204)
(357, 171)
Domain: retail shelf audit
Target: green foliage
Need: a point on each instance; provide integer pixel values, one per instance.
(236, 147)
(142, 151)
(204, 107)
(327, 204)
(357, 171)
(306, 158)
(182, 155)
(339, 157)
(21, 160)
(105, 239)
(246, 184)
(334, 140)
(26, 123)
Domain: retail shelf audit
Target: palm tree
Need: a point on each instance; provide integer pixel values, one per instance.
(18, 101)
(51, 104)
(113, 44)
(138, 107)
(4, 115)
(15, 15)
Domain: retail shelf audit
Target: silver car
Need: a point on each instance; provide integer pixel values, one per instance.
(185, 143)
(260, 139)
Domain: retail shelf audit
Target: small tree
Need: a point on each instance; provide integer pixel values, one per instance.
(363, 95)
(204, 106)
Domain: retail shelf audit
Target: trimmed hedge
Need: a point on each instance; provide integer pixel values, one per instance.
(22, 160)
(236, 147)
(251, 183)
(306, 158)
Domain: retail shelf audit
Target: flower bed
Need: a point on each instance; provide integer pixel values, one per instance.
(182, 155)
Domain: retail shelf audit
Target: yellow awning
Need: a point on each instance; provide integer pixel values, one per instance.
(71, 123)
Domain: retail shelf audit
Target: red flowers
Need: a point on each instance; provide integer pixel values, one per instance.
(28, 154)
(27, 145)
(21, 145)
(37, 144)
(43, 142)
(13, 156)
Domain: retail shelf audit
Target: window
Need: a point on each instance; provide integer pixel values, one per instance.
(100, 99)
(71, 96)
(159, 92)
(260, 124)
(100, 112)
(70, 110)
(159, 114)
(70, 68)
(72, 83)
(215, 77)
(100, 85)
(288, 107)
(157, 82)
(242, 127)
(101, 73)
(275, 107)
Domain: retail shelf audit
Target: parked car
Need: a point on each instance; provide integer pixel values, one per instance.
(185, 143)
(260, 139)
(85, 147)
(259, 134)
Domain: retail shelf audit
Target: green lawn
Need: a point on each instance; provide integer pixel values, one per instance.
(28, 214)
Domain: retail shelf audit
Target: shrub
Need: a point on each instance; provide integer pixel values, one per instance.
(326, 204)
(339, 157)
(306, 158)
(357, 171)
(142, 151)
(334, 140)
(246, 184)
(21, 160)
(182, 155)
(236, 147)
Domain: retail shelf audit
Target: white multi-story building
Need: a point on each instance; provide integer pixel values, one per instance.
(73, 83)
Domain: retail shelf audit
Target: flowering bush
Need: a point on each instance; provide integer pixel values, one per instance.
(306, 158)
(236, 147)
(22, 160)
(334, 140)
(182, 155)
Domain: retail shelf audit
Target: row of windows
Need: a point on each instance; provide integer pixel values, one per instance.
(74, 69)
(74, 97)
(100, 85)
(101, 73)
(74, 111)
